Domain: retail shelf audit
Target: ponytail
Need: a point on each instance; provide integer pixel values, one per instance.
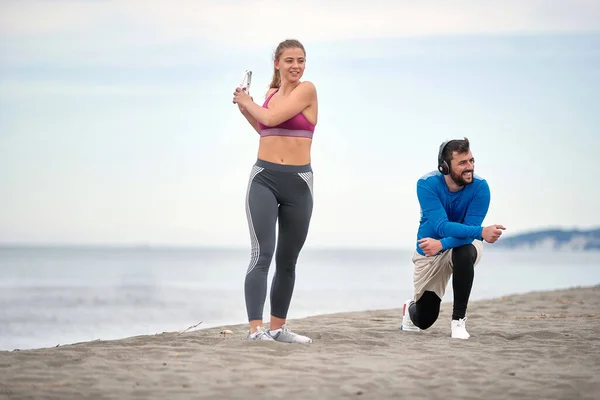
(276, 81)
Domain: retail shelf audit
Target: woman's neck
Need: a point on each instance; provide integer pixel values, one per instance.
(286, 88)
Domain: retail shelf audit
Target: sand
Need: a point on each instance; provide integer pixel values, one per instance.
(543, 345)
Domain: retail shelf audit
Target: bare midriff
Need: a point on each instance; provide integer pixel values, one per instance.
(285, 150)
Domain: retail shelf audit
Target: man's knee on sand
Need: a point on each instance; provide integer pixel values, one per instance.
(426, 310)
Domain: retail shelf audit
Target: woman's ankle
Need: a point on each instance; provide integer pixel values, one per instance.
(276, 323)
(254, 325)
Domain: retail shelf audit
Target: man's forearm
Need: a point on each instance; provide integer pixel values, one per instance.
(452, 242)
(446, 229)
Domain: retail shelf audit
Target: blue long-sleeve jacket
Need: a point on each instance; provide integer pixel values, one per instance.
(454, 218)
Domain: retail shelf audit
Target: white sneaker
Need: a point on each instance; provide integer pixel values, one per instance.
(284, 334)
(260, 334)
(407, 324)
(459, 329)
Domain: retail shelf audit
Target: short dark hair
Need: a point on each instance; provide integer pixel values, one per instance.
(461, 146)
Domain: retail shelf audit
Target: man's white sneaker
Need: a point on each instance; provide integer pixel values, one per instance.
(407, 324)
(459, 329)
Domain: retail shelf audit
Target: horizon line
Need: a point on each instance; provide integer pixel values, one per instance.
(182, 246)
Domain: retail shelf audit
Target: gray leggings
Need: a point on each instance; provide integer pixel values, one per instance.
(284, 193)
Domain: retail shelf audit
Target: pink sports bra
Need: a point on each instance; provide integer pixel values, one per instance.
(297, 126)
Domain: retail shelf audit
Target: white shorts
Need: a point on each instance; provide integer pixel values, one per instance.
(433, 273)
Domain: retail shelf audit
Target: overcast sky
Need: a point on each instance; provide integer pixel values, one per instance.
(117, 127)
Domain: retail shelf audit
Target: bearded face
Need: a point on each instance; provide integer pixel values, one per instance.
(462, 168)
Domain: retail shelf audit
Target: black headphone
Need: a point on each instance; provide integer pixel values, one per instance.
(443, 166)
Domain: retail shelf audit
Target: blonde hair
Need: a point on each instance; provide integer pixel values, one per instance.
(286, 44)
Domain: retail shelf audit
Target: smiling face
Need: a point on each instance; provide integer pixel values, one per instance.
(462, 168)
(291, 64)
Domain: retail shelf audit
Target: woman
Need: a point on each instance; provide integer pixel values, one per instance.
(280, 188)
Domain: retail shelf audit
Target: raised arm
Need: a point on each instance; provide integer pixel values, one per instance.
(251, 120)
(434, 212)
(475, 215)
(300, 98)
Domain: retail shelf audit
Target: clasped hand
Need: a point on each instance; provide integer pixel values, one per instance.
(240, 97)
(430, 246)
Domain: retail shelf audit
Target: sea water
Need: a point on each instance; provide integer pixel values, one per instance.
(59, 295)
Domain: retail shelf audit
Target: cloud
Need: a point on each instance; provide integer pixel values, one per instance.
(258, 21)
(139, 33)
(14, 89)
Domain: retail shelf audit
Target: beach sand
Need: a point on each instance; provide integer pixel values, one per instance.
(543, 345)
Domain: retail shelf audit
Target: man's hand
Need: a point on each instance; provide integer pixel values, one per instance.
(430, 246)
(491, 233)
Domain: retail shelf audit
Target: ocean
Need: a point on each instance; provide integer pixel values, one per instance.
(60, 295)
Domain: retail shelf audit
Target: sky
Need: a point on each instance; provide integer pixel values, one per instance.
(117, 126)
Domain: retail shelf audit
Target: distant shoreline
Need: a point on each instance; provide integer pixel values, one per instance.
(574, 240)
(496, 248)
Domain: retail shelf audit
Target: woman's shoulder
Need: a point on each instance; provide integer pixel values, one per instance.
(307, 85)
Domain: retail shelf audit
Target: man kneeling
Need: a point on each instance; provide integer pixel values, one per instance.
(454, 202)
